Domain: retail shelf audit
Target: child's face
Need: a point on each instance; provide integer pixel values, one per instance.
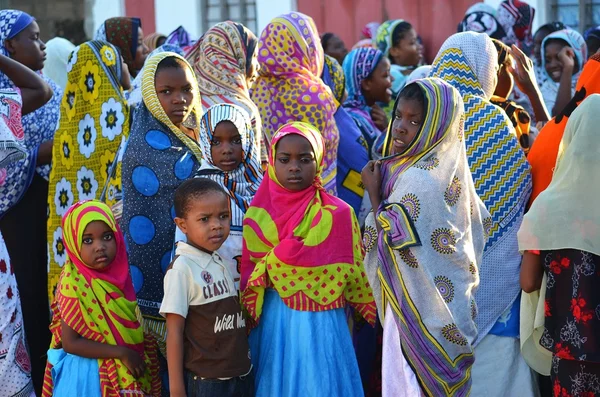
(408, 120)
(408, 51)
(226, 146)
(295, 163)
(378, 86)
(174, 90)
(207, 221)
(554, 67)
(98, 245)
(336, 49)
(537, 44)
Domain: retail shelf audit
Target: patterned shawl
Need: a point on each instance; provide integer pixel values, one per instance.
(358, 65)
(11, 130)
(291, 244)
(101, 306)
(469, 62)
(516, 17)
(38, 126)
(352, 151)
(159, 156)
(289, 87)
(481, 18)
(122, 32)
(222, 59)
(544, 151)
(566, 214)
(151, 40)
(550, 88)
(180, 37)
(94, 123)
(424, 264)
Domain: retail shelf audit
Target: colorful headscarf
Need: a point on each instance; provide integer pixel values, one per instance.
(101, 306)
(364, 43)
(384, 43)
(241, 183)
(352, 150)
(222, 59)
(180, 37)
(11, 129)
(122, 32)
(159, 156)
(306, 244)
(39, 126)
(544, 151)
(423, 262)
(385, 31)
(481, 18)
(289, 86)
(574, 40)
(94, 123)
(469, 61)
(566, 214)
(152, 39)
(370, 30)
(358, 65)
(516, 17)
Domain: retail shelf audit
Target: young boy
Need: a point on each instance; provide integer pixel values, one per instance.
(207, 347)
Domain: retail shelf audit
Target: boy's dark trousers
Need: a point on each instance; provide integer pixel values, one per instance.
(241, 386)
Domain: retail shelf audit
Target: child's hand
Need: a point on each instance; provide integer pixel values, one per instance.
(566, 56)
(379, 117)
(371, 177)
(133, 362)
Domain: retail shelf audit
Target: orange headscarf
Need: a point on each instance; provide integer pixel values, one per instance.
(544, 151)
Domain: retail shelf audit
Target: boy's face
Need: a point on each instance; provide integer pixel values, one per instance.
(206, 223)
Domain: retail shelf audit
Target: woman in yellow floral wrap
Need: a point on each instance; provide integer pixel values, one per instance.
(94, 123)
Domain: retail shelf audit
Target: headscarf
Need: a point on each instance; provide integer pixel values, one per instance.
(516, 17)
(593, 32)
(100, 305)
(352, 152)
(180, 37)
(574, 40)
(469, 61)
(358, 65)
(242, 183)
(566, 215)
(364, 43)
(94, 123)
(159, 156)
(424, 260)
(134, 95)
(289, 86)
(152, 39)
(384, 42)
(57, 57)
(540, 73)
(122, 32)
(38, 126)
(222, 59)
(481, 18)
(419, 73)
(11, 130)
(370, 30)
(290, 242)
(544, 151)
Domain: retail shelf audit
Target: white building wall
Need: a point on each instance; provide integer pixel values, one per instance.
(103, 10)
(266, 10)
(170, 14)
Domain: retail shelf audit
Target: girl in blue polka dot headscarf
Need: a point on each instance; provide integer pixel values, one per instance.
(162, 152)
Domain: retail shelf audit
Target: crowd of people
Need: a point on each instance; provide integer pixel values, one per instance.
(274, 215)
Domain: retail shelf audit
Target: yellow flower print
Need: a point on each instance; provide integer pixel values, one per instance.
(90, 81)
(66, 150)
(106, 161)
(108, 56)
(69, 99)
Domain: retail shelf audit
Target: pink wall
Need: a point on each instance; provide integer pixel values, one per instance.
(434, 20)
(143, 9)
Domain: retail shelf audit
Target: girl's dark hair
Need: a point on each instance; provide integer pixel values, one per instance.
(325, 37)
(193, 189)
(564, 44)
(551, 28)
(399, 32)
(412, 92)
(170, 62)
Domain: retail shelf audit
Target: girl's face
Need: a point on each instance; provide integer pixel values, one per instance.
(142, 51)
(537, 45)
(378, 86)
(336, 49)
(554, 67)
(295, 162)
(226, 146)
(408, 120)
(98, 245)
(408, 51)
(27, 48)
(174, 89)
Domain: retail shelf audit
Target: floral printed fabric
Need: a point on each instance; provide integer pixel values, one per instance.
(94, 121)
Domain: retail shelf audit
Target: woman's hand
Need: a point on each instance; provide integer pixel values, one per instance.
(566, 56)
(371, 178)
(133, 362)
(379, 117)
(523, 71)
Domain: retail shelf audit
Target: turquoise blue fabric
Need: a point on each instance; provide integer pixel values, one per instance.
(296, 353)
(72, 374)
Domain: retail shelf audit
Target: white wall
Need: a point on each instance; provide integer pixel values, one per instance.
(170, 14)
(103, 10)
(540, 11)
(266, 10)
